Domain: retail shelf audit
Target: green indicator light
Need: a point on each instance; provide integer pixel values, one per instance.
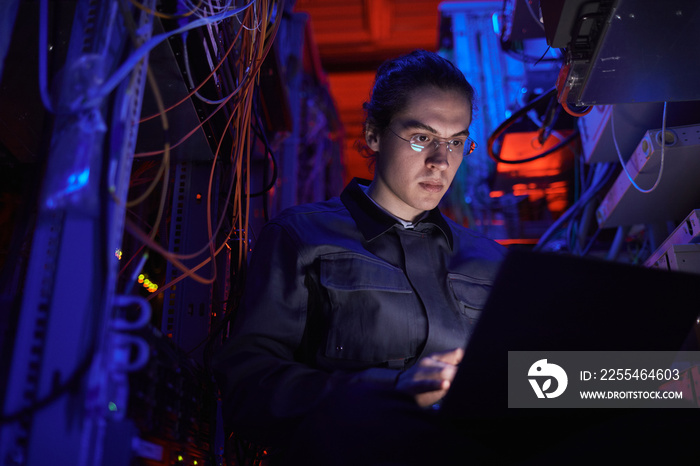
(112, 406)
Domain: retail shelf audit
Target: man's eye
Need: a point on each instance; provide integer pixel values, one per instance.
(422, 138)
(457, 143)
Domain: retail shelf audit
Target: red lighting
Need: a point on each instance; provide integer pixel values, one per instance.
(543, 178)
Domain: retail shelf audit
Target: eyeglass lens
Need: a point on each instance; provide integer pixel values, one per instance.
(469, 145)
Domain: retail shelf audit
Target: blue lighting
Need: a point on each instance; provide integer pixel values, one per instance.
(77, 181)
(496, 23)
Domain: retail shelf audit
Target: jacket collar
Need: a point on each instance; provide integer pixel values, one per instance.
(373, 222)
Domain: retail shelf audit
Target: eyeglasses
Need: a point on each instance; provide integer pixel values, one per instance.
(420, 142)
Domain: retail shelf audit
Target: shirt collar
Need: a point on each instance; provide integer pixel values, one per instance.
(373, 221)
(406, 225)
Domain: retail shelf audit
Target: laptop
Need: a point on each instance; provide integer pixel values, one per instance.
(552, 302)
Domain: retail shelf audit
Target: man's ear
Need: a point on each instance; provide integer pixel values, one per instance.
(372, 138)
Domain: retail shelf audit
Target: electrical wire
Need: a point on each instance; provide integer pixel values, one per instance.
(188, 71)
(624, 165)
(244, 82)
(243, 114)
(158, 14)
(209, 245)
(508, 45)
(591, 242)
(523, 57)
(603, 173)
(134, 275)
(255, 57)
(72, 383)
(187, 271)
(512, 119)
(565, 104)
(128, 262)
(532, 13)
(213, 8)
(242, 218)
(94, 95)
(196, 89)
(221, 106)
(163, 171)
(240, 143)
(186, 56)
(260, 132)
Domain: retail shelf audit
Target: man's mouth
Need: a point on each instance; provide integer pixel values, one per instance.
(431, 186)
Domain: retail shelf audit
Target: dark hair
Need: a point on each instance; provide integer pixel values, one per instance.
(398, 77)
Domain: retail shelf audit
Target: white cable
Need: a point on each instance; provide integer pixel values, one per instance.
(113, 81)
(189, 75)
(619, 155)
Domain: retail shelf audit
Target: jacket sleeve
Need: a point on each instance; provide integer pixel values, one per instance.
(265, 391)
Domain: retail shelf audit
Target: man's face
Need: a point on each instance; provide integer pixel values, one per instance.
(407, 182)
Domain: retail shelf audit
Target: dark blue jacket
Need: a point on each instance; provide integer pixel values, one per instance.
(337, 292)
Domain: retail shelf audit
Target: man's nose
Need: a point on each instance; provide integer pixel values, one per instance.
(439, 156)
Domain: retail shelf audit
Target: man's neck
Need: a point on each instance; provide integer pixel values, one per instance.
(406, 223)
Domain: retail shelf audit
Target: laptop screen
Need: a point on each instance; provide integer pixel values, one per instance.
(554, 302)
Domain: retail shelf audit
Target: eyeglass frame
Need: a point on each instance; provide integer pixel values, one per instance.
(437, 141)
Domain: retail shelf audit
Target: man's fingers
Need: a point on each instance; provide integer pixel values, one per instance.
(430, 379)
(436, 371)
(450, 357)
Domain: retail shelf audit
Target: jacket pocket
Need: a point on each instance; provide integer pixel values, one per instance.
(353, 272)
(471, 294)
(370, 310)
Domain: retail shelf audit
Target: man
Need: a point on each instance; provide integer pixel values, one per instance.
(374, 292)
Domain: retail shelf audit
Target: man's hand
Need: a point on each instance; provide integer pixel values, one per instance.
(430, 378)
